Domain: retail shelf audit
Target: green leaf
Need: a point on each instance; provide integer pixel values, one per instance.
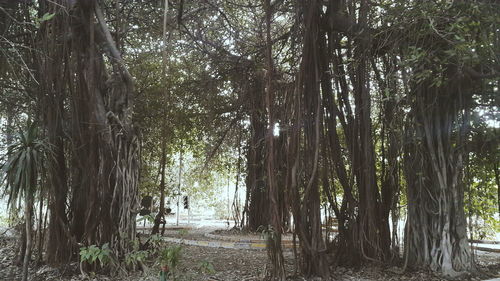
(47, 16)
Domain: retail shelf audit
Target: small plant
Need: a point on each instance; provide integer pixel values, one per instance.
(136, 257)
(93, 253)
(206, 267)
(155, 238)
(156, 242)
(146, 218)
(169, 259)
(183, 232)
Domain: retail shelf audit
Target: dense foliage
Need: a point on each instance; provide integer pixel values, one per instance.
(371, 112)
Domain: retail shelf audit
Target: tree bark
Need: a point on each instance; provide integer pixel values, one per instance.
(305, 153)
(255, 180)
(50, 68)
(161, 211)
(436, 234)
(274, 250)
(40, 230)
(104, 149)
(497, 180)
(28, 210)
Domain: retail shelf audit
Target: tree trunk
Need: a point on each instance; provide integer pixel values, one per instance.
(21, 251)
(255, 181)
(436, 234)
(161, 211)
(50, 68)
(179, 184)
(497, 180)
(59, 248)
(104, 145)
(28, 210)
(163, 161)
(305, 153)
(373, 245)
(363, 222)
(274, 250)
(390, 147)
(40, 230)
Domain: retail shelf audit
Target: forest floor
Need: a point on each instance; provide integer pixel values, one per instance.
(228, 264)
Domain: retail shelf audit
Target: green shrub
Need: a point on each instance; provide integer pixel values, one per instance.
(169, 259)
(93, 253)
(206, 267)
(136, 257)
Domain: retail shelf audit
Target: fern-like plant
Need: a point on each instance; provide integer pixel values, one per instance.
(21, 167)
(169, 259)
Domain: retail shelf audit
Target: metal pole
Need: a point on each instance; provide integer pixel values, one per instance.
(177, 217)
(228, 204)
(179, 186)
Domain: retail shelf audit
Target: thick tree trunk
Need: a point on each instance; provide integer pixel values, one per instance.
(255, 181)
(390, 149)
(363, 221)
(373, 245)
(59, 248)
(305, 153)
(104, 146)
(50, 68)
(436, 234)
(274, 250)
(345, 213)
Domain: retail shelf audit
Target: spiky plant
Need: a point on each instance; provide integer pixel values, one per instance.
(21, 166)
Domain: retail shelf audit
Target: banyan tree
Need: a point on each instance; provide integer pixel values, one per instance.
(90, 93)
(354, 112)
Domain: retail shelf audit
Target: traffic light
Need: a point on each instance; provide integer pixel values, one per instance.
(146, 203)
(185, 199)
